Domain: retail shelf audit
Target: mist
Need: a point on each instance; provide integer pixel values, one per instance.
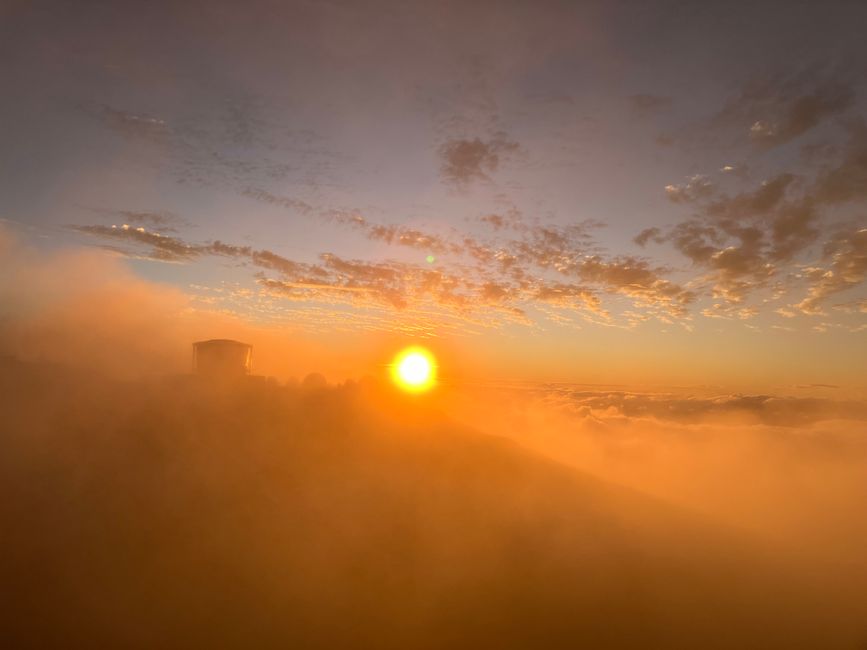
(143, 506)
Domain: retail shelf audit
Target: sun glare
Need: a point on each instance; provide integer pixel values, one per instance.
(414, 370)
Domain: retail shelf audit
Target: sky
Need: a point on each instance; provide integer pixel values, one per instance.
(625, 193)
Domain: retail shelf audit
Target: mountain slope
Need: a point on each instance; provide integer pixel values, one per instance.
(177, 514)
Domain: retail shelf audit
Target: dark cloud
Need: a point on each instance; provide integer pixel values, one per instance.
(465, 161)
(793, 229)
(649, 234)
(767, 409)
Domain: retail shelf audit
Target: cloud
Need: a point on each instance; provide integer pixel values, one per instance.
(133, 125)
(792, 412)
(740, 171)
(464, 161)
(805, 456)
(511, 218)
(507, 278)
(389, 233)
(847, 180)
(793, 229)
(729, 311)
(164, 221)
(744, 239)
(85, 307)
(163, 248)
(236, 144)
(847, 268)
(795, 116)
(384, 280)
(698, 187)
(404, 236)
(645, 104)
(392, 283)
(758, 202)
(853, 307)
(297, 205)
(635, 278)
(653, 233)
(161, 221)
(777, 110)
(736, 268)
(568, 295)
(739, 241)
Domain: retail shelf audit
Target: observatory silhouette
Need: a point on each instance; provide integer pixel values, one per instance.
(222, 358)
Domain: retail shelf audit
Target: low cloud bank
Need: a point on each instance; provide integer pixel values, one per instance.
(790, 469)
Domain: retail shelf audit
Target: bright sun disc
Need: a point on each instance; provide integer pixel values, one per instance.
(414, 369)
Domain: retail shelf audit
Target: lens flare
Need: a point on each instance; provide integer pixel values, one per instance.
(414, 370)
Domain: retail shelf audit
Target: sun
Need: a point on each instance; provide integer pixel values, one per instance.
(414, 369)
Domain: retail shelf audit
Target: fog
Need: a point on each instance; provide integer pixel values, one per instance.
(143, 507)
(790, 470)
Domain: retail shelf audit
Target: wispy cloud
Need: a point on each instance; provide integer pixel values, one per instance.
(163, 248)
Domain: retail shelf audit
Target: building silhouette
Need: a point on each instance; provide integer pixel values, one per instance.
(222, 358)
